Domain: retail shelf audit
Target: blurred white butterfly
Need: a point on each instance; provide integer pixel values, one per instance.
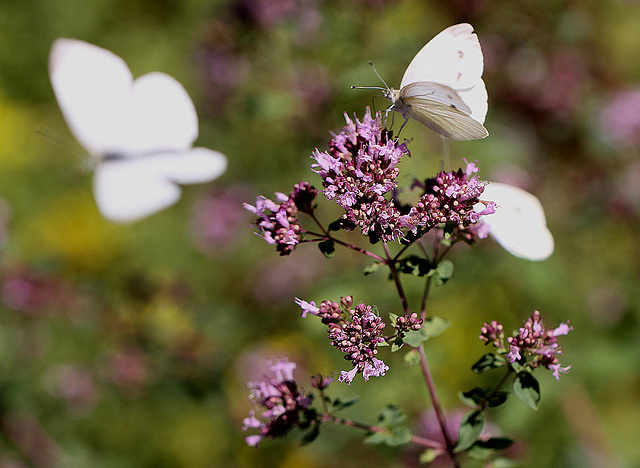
(140, 131)
(519, 224)
(442, 87)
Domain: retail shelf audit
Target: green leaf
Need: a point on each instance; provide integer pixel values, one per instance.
(383, 344)
(495, 443)
(498, 399)
(338, 404)
(370, 269)
(398, 435)
(473, 397)
(397, 344)
(444, 271)
(335, 225)
(411, 358)
(487, 362)
(414, 265)
(470, 429)
(414, 338)
(434, 326)
(527, 388)
(390, 416)
(311, 435)
(327, 247)
(393, 318)
(428, 456)
(377, 438)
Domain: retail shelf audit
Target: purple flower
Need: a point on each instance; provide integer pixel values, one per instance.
(307, 307)
(358, 170)
(450, 197)
(356, 332)
(534, 340)
(493, 333)
(281, 401)
(278, 221)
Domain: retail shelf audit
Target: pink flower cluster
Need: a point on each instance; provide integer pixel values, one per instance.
(533, 341)
(282, 401)
(355, 331)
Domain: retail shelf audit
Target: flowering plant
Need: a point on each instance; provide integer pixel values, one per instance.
(359, 172)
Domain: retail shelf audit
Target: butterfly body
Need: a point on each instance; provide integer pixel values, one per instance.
(139, 132)
(442, 87)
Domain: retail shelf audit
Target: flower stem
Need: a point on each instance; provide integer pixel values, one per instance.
(437, 408)
(422, 441)
(326, 235)
(396, 279)
(484, 403)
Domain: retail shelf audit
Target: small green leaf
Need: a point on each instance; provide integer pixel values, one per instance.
(393, 318)
(377, 438)
(311, 435)
(411, 358)
(470, 429)
(327, 247)
(445, 270)
(498, 399)
(338, 404)
(428, 456)
(414, 265)
(414, 338)
(495, 443)
(434, 326)
(390, 417)
(370, 269)
(400, 435)
(527, 388)
(487, 362)
(397, 344)
(335, 225)
(383, 344)
(473, 397)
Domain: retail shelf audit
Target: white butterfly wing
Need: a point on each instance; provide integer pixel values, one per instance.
(132, 188)
(519, 224)
(92, 86)
(453, 58)
(445, 119)
(160, 116)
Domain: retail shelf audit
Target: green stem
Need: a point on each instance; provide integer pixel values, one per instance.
(396, 279)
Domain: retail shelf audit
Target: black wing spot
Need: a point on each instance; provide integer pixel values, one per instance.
(460, 54)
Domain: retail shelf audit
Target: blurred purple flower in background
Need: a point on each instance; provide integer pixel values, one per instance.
(74, 384)
(620, 118)
(128, 369)
(218, 218)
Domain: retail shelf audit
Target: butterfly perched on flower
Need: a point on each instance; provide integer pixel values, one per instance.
(442, 87)
(139, 132)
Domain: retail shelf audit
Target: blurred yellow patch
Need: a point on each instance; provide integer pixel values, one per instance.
(72, 230)
(169, 324)
(16, 132)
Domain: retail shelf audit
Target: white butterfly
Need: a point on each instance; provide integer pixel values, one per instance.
(442, 87)
(519, 224)
(140, 131)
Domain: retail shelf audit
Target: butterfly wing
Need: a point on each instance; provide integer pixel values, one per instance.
(110, 113)
(132, 188)
(519, 224)
(445, 119)
(453, 58)
(92, 86)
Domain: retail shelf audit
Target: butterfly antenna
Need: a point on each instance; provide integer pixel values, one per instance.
(378, 75)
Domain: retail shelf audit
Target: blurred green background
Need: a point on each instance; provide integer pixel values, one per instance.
(130, 346)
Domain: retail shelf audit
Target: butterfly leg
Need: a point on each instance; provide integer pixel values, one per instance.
(403, 124)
